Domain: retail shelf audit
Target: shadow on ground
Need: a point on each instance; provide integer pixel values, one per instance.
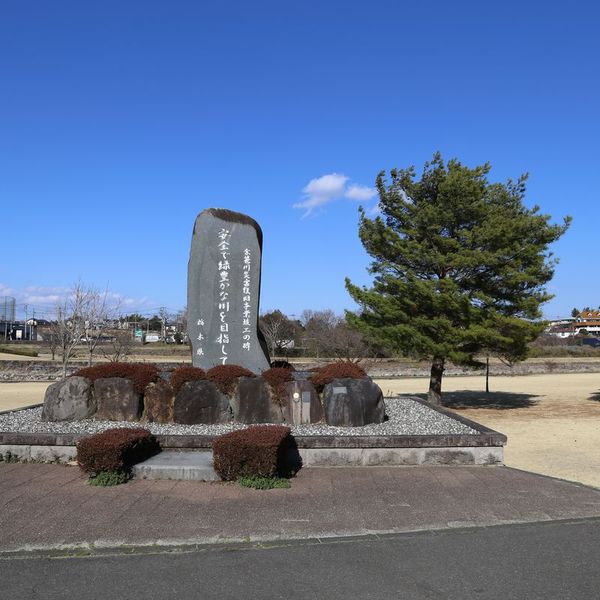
(595, 396)
(496, 400)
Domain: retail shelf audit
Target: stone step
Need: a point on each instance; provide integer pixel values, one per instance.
(177, 465)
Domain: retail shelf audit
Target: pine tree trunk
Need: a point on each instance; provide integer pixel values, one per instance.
(435, 382)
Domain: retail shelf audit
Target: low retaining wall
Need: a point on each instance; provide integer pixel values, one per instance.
(387, 457)
(37, 453)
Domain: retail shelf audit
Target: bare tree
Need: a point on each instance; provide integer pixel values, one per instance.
(277, 329)
(68, 326)
(182, 321)
(53, 341)
(119, 346)
(81, 317)
(97, 312)
(319, 327)
(164, 317)
(328, 334)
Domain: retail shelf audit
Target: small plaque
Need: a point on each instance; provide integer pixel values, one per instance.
(340, 390)
(306, 398)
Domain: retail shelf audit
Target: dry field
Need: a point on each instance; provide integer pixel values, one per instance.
(15, 395)
(552, 421)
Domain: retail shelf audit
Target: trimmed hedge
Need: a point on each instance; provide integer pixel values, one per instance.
(277, 377)
(225, 377)
(261, 450)
(183, 374)
(342, 369)
(141, 374)
(115, 449)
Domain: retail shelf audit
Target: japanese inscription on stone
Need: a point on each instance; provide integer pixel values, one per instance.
(224, 291)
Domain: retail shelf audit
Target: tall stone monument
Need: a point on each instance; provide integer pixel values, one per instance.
(224, 291)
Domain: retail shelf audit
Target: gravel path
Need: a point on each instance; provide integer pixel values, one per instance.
(406, 417)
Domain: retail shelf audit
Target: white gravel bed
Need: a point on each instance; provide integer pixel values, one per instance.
(405, 417)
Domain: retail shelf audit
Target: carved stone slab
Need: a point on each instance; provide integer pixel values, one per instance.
(224, 291)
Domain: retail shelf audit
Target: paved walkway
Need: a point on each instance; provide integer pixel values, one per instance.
(52, 505)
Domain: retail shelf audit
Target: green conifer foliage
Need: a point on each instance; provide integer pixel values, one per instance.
(459, 266)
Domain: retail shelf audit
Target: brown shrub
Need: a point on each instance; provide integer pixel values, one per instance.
(342, 369)
(183, 374)
(277, 377)
(225, 377)
(115, 449)
(260, 450)
(140, 374)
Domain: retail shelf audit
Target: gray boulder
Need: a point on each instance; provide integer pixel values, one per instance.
(254, 402)
(158, 402)
(353, 402)
(69, 400)
(200, 401)
(303, 403)
(117, 399)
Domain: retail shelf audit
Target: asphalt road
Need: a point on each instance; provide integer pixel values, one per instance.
(546, 561)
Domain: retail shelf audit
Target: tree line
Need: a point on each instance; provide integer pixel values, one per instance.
(316, 333)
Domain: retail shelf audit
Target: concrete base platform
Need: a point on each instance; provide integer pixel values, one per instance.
(180, 466)
(483, 447)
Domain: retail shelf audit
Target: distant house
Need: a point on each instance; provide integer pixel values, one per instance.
(587, 320)
(561, 328)
(21, 332)
(561, 332)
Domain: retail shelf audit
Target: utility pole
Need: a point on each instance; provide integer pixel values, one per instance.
(162, 311)
(25, 325)
(5, 318)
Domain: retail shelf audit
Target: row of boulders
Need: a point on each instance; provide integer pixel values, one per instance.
(343, 402)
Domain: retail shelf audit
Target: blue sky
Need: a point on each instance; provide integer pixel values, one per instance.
(120, 121)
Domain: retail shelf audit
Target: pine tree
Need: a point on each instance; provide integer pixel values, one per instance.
(459, 266)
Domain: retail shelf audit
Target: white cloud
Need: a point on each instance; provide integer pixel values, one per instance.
(328, 188)
(322, 190)
(360, 192)
(44, 299)
(35, 294)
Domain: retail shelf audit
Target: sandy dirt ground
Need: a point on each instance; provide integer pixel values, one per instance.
(552, 421)
(15, 395)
